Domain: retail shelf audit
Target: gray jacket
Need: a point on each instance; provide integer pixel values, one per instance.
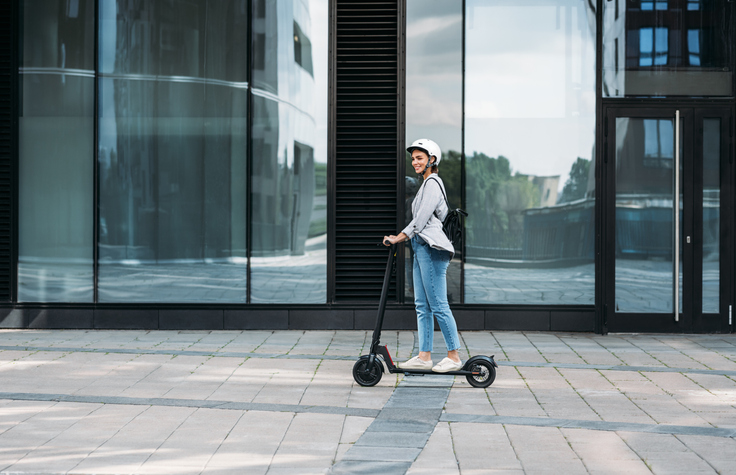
(428, 210)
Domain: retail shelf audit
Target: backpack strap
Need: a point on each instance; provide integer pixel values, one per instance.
(443, 193)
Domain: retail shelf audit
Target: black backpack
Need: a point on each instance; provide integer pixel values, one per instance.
(453, 223)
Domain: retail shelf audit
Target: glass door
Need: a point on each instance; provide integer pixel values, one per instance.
(666, 215)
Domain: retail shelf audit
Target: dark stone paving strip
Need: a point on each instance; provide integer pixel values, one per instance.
(401, 429)
(395, 425)
(147, 351)
(232, 354)
(198, 403)
(591, 425)
(637, 369)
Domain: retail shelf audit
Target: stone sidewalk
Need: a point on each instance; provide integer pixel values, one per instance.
(94, 402)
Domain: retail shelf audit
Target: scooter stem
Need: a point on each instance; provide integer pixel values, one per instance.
(382, 303)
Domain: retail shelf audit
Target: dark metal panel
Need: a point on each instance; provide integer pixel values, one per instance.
(600, 183)
(401, 147)
(257, 319)
(572, 321)
(187, 319)
(463, 181)
(8, 145)
(59, 318)
(395, 319)
(331, 151)
(96, 165)
(125, 319)
(529, 320)
(366, 143)
(329, 319)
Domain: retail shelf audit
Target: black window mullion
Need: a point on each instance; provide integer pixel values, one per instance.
(95, 157)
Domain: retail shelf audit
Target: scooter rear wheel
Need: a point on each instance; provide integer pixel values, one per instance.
(486, 374)
(364, 375)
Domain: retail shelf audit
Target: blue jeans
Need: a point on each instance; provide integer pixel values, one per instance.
(430, 295)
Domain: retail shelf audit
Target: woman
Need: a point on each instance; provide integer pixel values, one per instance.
(432, 254)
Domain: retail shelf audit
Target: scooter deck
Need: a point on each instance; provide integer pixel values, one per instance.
(429, 371)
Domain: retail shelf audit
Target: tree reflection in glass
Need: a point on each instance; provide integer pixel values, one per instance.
(529, 142)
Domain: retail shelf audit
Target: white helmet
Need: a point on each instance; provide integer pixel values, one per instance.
(429, 147)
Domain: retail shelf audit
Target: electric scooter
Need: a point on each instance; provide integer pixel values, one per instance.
(480, 371)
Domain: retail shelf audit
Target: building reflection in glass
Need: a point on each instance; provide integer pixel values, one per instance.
(711, 214)
(645, 159)
(529, 143)
(56, 150)
(289, 227)
(173, 152)
(667, 48)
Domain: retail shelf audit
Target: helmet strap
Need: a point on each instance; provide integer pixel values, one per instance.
(429, 164)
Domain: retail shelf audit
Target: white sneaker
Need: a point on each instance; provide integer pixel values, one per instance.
(447, 365)
(416, 363)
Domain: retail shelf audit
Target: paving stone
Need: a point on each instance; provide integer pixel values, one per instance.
(360, 467)
(601, 451)
(384, 425)
(252, 442)
(470, 440)
(303, 447)
(393, 439)
(402, 414)
(438, 456)
(353, 428)
(389, 454)
(467, 399)
(331, 384)
(720, 453)
(194, 441)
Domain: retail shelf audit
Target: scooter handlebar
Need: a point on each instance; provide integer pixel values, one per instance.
(388, 243)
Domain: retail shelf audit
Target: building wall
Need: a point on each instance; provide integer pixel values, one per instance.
(210, 190)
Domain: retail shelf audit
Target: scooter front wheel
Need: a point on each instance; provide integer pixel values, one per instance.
(364, 375)
(485, 374)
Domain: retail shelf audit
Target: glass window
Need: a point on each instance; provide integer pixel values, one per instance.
(659, 141)
(655, 5)
(652, 46)
(644, 215)
(529, 144)
(434, 95)
(662, 48)
(172, 151)
(289, 228)
(693, 47)
(711, 214)
(56, 152)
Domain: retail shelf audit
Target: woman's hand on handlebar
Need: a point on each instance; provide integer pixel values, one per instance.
(388, 240)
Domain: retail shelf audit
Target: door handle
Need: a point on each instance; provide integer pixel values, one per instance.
(676, 206)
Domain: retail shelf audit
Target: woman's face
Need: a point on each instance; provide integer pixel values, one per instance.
(419, 161)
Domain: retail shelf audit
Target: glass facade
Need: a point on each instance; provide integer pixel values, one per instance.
(172, 151)
(434, 95)
(179, 167)
(56, 152)
(289, 248)
(176, 152)
(529, 151)
(645, 157)
(711, 213)
(667, 48)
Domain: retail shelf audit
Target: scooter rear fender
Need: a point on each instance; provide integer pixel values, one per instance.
(489, 359)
